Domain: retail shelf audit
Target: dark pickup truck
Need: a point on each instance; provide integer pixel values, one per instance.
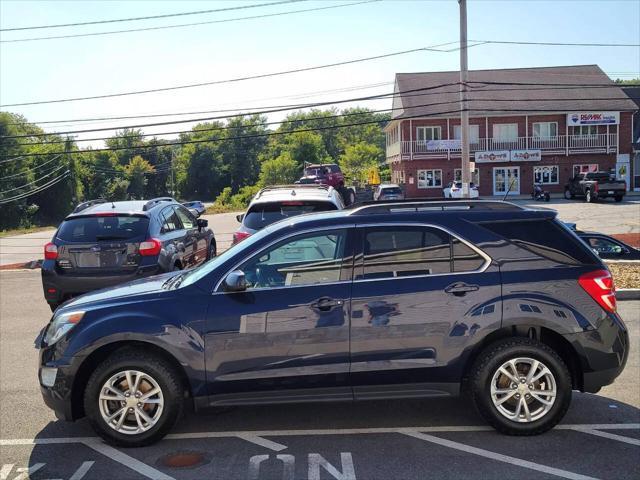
(595, 185)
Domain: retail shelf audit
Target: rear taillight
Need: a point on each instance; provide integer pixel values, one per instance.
(150, 247)
(599, 285)
(50, 251)
(240, 236)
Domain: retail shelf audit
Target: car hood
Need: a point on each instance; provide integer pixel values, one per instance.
(136, 288)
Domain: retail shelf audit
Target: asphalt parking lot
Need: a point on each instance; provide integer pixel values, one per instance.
(410, 439)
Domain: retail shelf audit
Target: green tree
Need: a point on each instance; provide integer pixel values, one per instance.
(279, 171)
(136, 172)
(358, 159)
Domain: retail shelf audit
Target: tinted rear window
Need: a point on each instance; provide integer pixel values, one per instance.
(599, 176)
(92, 229)
(546, 238)
(259, 216)
(392, 191)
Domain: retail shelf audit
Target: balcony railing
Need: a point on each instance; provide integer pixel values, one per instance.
(600, 143)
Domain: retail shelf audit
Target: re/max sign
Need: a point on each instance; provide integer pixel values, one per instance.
(593, 118)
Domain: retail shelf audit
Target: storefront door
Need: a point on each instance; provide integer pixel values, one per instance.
(505, 176)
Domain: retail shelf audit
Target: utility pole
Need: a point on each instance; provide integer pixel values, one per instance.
(173, 180)
(464, 114)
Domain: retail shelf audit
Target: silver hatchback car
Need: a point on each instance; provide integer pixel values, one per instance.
(388, 191)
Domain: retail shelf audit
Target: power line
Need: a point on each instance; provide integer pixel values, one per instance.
(33, 169)
(58, 168)
(556, 44)
(236, 79)
(202, 119)
(151, 17)
(307, 119)
(404, 93)
(49, 184)
(182, 25)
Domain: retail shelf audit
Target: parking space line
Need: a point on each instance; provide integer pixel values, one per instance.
(82, 471)
(263, 442)
(610, 436)
(129, 462)
(339, 431)
(497, 456)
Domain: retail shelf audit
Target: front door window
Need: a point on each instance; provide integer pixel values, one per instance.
(506, 179)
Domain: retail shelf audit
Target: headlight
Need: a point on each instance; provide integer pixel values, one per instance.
(60, 325)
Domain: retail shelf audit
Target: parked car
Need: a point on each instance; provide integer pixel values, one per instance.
(275, 203)
(105, 243)
(328, 174)
(594, 186)
(388, 191)
(609, 247)
(196, 205)
(381, 301)
(454, 190)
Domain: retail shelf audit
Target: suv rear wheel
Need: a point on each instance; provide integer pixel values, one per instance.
(521, 386)
(568, 195)
(589, 197)
(133, 398)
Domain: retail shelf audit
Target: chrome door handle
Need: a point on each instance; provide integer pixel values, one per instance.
(460, 289)
(326, 304)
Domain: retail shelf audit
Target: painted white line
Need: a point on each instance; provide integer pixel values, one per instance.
(82, 471)
(498, 456)
(610, 436)
(343, 431)
(263, 442)
(129, 462)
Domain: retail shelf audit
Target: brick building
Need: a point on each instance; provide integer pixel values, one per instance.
(526, 125)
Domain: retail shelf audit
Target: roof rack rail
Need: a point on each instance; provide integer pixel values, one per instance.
(413, 205)
(87, 204)
(154, 201)
(292, 186)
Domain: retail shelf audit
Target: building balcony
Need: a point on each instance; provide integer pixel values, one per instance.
(558, 145)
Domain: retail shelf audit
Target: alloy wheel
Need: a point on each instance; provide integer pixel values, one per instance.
(523, 390)
(131, 402)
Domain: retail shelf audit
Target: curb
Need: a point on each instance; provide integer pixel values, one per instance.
(628, 294)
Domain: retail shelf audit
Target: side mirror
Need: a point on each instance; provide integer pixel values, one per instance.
(240, 217)
(235, 282)
(202, 223)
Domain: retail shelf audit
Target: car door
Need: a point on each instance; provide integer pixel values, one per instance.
(287, 336)
(171, 237)
(421, 298)
(195, 244)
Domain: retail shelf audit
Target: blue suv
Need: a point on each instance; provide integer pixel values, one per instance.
(422, 299)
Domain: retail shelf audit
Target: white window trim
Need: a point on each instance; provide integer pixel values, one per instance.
(495, 138)
(547, 166)
(584, 135)
(428, 170)
(533, 128)
(429, 127)
(472, 138)
(477, 172)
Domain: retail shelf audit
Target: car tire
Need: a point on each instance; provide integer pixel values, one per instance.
(169, 401)
(618, 198)
(588, 197)
(568, 195)
(538, 417)
(212, 252)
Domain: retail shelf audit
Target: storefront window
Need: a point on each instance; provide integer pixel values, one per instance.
(547, 175)
(429, 178)
(475, 176)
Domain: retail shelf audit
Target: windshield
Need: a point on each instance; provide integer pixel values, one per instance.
(112, 227)
(261, 215)
(392, 191)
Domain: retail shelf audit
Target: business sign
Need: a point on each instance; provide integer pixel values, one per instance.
(444, 145)
(526, 155)
(492, 156)
(593, 118)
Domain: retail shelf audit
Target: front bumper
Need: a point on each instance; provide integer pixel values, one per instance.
(58, 287)
(603, 352)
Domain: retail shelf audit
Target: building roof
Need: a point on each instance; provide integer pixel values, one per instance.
(546, 83)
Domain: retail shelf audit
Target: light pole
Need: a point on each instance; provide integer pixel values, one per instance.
(464, 113)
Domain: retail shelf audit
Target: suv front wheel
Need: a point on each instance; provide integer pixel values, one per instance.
(133, 398)
(521, 386)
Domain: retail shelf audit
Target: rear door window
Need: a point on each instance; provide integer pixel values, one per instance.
(405, 251)
(546, 238)
(262, 215)
(91, 229)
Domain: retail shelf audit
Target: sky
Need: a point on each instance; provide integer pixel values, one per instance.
(95, 65)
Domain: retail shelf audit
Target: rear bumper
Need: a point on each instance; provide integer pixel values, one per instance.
(603, 353)
(58, 287)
